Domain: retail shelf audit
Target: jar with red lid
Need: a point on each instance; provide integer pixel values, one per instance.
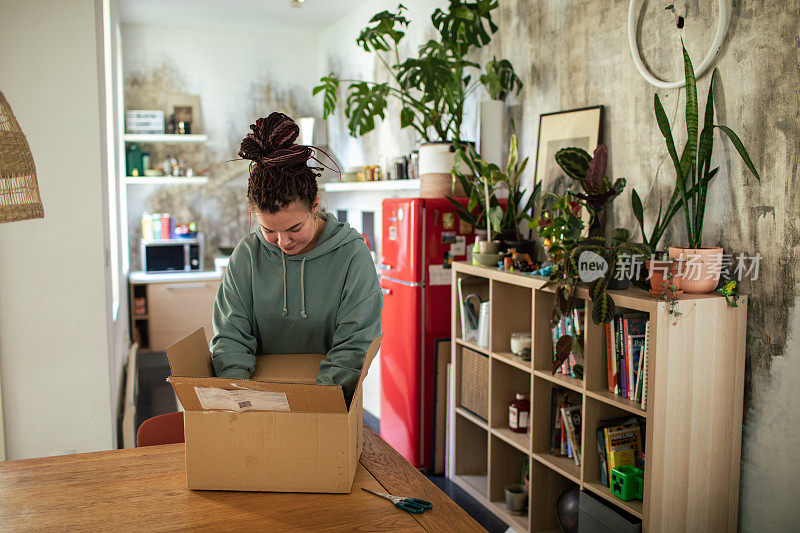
(519, 414)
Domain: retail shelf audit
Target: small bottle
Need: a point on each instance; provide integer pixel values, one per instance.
(175, 169)
(519, 413)
(146, 161)
(166, 165)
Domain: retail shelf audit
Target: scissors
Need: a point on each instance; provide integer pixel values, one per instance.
(409, 505)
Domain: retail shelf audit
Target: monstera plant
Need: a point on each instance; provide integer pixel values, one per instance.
(432, 87)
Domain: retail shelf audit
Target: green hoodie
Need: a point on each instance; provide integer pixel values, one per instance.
(326, 301)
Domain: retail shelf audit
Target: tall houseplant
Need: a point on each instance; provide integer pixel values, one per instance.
(693, 174)
(432, 87)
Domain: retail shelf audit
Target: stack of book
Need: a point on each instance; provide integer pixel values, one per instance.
(565, 424)
(620, 442)
(627, 348)
(157, 226)
(571, 325)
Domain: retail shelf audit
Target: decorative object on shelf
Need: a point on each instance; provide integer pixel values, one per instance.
(578, 128)
(567, 510)
(184, 113)
(590, 172)
(431, 89)
(662, 270)
(147, 122)
(516, 498)
(519, 341)
(693, 175)
(19, 188)
(519, 413)
(730, 292)
(627, 482)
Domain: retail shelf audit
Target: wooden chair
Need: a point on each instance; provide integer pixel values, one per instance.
(161, 429)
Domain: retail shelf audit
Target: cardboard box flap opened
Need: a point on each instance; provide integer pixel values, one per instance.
(278, 431)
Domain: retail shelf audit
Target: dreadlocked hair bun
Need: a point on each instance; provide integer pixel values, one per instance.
(279, 171)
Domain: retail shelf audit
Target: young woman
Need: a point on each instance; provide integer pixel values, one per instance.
(302, 282)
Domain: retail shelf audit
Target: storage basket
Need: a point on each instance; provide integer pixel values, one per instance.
(475, 382)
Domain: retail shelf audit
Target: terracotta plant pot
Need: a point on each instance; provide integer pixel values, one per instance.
(701, 267)
(657, 270)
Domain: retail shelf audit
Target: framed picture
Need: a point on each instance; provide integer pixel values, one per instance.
(184, 108)
(562, 129)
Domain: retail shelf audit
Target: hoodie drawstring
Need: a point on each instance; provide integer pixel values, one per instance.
(302, 289)
(285, 309)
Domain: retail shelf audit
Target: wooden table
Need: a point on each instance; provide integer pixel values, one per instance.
(144, 489)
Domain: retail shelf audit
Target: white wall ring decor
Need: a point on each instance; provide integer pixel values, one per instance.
(716, 45)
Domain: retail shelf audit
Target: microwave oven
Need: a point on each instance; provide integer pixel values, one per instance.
(173, 255)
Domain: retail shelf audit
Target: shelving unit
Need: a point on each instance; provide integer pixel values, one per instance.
(384, 185)
(165, 180)
(693, 417)
(165, 138)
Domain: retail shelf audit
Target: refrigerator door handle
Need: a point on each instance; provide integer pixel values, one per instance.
(384, 266)
(386, 291)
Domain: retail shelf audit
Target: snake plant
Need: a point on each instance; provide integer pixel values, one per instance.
(693, 169)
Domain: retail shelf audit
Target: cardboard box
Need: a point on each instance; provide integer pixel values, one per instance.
(277, 431)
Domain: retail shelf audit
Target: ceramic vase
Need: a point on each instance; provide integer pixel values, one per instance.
(701, 267)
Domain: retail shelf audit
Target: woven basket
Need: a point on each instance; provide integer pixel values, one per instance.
(19, 190)
(475, 383)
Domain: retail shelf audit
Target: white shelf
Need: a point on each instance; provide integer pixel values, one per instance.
(165, 180)
(385, 185)
(165, 138)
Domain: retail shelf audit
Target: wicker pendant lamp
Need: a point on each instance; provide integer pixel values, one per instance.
(19, 190)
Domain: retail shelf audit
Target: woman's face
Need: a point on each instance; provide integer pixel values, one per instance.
(292, 229)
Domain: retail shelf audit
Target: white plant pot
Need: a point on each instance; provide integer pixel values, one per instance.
(436, 160)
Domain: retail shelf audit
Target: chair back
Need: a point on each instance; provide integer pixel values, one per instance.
(161, 429)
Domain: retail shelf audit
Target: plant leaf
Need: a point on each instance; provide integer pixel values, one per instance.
(330, 86)
(364, 103)
(638, 210)
(562, 351)
(741, 149)
(574, 162)
(602, 303)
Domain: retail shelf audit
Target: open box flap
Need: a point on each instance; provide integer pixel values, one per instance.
(297, 397)
(190, 356)
(372, 350)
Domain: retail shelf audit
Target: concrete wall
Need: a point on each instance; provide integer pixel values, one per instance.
(574, 54)
(54, 357)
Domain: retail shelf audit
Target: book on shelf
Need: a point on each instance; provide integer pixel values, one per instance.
(626, 341)
(643, 375)
(560, 398)
(571, 416)
(571, 325)
(619, 443)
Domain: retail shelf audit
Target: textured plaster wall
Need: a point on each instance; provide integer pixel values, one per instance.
(239, 75)
(575, 53)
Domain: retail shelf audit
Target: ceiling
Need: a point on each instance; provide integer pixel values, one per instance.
(314, 15)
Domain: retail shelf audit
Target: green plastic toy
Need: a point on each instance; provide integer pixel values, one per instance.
(627, 482)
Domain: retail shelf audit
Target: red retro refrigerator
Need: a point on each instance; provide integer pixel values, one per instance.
(420, 236)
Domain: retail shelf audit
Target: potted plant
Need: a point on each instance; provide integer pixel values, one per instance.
(693, 177)
(619, 256)
(431, 88)
(481, 182)
(598, 190)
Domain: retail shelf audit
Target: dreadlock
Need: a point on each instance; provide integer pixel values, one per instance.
(279, 170)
